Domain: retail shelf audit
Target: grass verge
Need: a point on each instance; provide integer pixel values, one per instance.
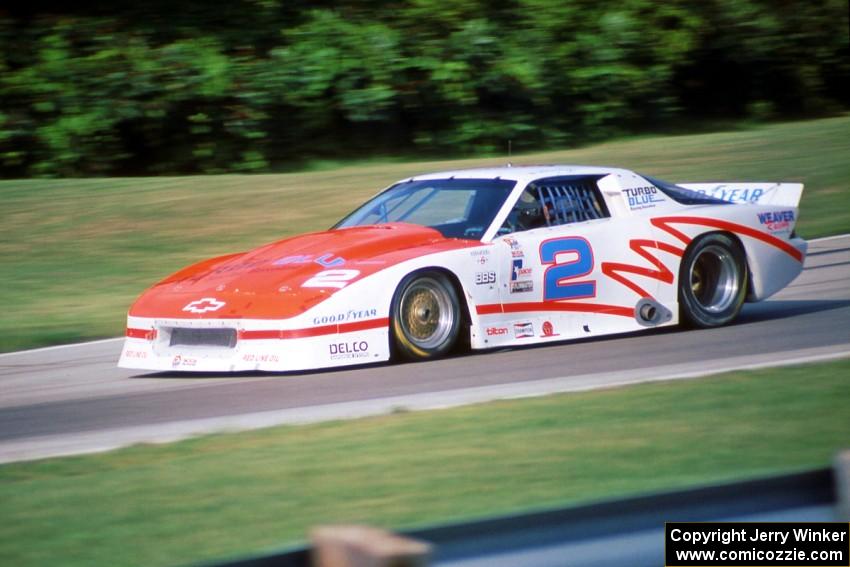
(230, 494)
(75, 253)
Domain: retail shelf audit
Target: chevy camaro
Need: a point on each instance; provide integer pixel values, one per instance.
(479, 258)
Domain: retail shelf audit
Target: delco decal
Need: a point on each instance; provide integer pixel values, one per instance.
(353, 349)
(642, 197)
(523, 330)
(343, 316)
(205, 305)
(738, 195)
(777, 222)
(496, 331)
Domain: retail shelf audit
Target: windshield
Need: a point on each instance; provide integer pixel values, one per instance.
(458, 208)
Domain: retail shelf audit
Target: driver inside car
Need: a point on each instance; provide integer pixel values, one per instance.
(527, 214)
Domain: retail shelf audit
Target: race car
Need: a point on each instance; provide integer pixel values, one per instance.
(480, 259)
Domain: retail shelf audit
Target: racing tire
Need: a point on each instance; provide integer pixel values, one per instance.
(712, 281)
(426, 316)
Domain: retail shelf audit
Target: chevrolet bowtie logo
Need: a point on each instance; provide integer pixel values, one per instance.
(204, 305)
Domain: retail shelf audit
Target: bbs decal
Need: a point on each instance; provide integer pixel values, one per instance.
(568, 259)
(484, 278)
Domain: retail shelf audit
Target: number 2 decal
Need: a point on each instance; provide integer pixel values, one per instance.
(556, 279)
(332, 278)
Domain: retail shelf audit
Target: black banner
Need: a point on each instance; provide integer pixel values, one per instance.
(762, 544)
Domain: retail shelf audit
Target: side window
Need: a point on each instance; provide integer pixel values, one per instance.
(555, 201)
(571, 199)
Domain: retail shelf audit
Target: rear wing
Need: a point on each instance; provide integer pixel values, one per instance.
(780, 194)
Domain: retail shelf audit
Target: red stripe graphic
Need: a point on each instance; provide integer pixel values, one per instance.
(283, 334)
(573, 306)
(147, 334)
(664, 224)
(271, 334)
(662, 273)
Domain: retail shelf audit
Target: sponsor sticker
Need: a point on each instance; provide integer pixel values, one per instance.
(181, 361)
(548, 329)
(326, 260)
(204, 305)
(777, 222)
(523, 330)
(135, 354)
(744, 195)
(516, 249)
(485, 278)
(481, 255)
(250, 357)
(343, 316)
(518, 272)
(352, 349)
(496, 331)
(642, 197)
(522, 287)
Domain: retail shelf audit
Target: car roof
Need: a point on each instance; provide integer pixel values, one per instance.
(524, 173)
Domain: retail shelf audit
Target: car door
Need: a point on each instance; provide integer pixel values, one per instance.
(564, 278)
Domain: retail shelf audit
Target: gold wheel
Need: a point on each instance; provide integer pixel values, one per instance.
(426, 316)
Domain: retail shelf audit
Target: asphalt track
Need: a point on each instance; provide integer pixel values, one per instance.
(73, 399)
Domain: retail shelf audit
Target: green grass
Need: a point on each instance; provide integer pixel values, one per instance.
(232, 494)
(75, 253)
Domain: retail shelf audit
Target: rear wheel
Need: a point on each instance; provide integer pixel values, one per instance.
(425, 316)
(712, 281)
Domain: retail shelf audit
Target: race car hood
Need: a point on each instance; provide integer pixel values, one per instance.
(286, 278)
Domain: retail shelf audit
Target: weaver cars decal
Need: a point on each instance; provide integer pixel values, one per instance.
(781, 221)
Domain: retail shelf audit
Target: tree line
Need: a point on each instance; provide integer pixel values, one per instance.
(163, 87)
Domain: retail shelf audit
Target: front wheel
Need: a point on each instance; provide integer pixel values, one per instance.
(425, 316)
(712, 281)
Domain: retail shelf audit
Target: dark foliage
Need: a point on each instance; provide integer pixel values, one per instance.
(254, 85)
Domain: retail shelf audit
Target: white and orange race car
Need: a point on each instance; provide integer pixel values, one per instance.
(480, 258)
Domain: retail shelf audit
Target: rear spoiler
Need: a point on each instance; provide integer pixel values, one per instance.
(780, 194)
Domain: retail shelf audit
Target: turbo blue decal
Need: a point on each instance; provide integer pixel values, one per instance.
(568, 258)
